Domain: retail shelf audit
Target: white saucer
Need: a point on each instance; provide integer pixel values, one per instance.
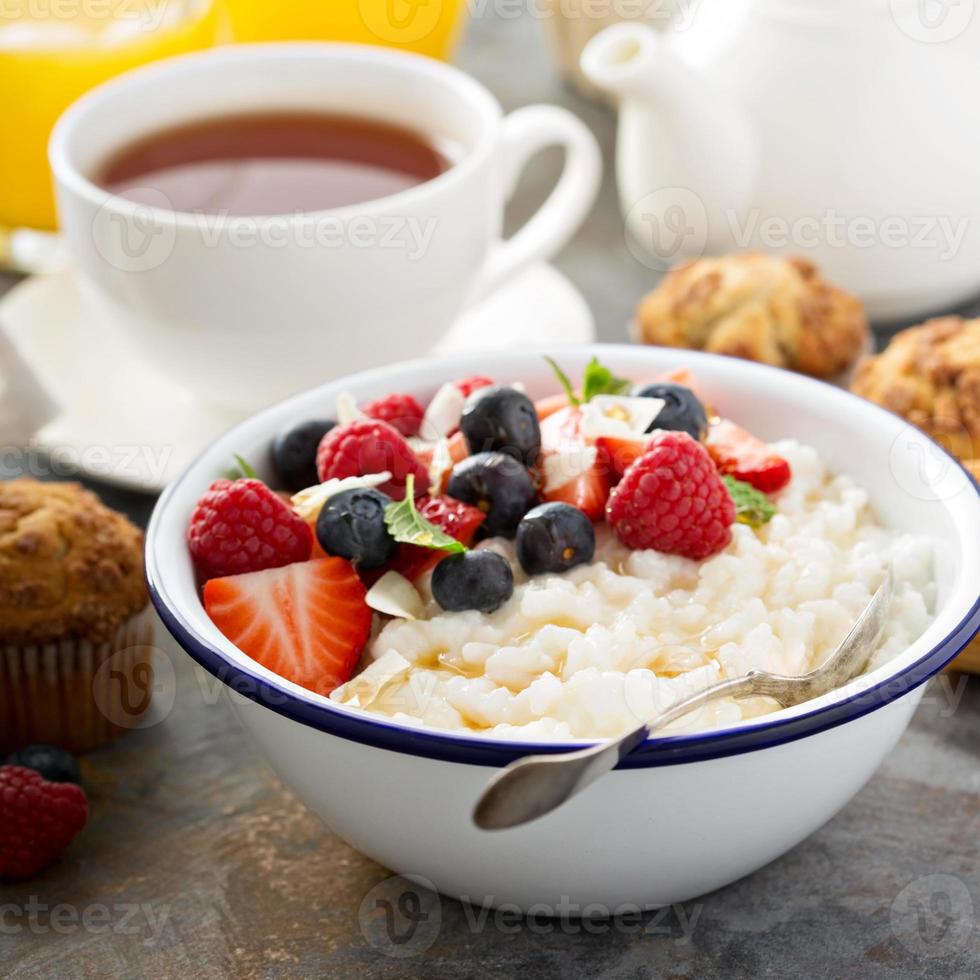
(119, 422)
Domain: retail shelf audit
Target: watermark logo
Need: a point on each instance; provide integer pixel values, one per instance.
(666, 227)
(923, 470)
(401, 916)
(933, 916)
(135, 237)
(401, 21)
(136, 687)
(933, 21)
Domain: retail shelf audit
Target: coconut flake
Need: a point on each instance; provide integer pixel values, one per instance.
(567, 464)
(362, 690)
(309, 502)
(619, 416)
(442, 463)
(443, 414)
(347, 410)
(394, 595)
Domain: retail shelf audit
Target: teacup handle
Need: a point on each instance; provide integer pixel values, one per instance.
(525, 133)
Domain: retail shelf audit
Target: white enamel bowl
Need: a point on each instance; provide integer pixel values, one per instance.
(685, 814)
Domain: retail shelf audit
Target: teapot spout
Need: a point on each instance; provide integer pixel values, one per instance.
(624, 60)
(677, 129)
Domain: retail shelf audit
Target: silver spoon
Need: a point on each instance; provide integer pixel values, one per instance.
(529, 788)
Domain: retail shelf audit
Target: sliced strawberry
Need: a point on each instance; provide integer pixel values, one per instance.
(561, 433)
(546, 407)
(473, 383)
(616, 455)
(738, 453)
(562, 427)
(307, 622)
(588, 492)
(457, 519)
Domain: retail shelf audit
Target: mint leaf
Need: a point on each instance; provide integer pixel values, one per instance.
(407, 525)
(752, 506)
(240, 472)
(565, 381)
(599, 380)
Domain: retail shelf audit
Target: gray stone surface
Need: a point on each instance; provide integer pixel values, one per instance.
(197, 862)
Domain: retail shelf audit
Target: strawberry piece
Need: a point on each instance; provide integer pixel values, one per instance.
(242, 526)
(546, 407)
(740, 454)
(457, 519)
(561, 432)
(38, 820)
(366, 446)
(402, 412)
(616, 455)
(589, 492)
(307, 622)
(468, 385)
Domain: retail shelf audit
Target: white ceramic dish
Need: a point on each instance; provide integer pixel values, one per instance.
(136, 429)
(684, 814)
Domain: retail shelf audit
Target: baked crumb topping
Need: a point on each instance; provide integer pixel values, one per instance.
(70, 568)
(758, 307)
(930, 375)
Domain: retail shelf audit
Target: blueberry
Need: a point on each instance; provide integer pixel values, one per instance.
(682, 411)
(475, 580)
(294, 454)
(554, 538)
(55, 765)
(352, 525)
(502, 420)
(499, 485)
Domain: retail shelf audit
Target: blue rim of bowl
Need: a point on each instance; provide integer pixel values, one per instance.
(476, 751)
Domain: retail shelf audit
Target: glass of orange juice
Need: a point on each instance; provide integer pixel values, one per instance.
(51, 52)
(424, 26)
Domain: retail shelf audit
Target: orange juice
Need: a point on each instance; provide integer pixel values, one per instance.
(51, 52)
(425, 26)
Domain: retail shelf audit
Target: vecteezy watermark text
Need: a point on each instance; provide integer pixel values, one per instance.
(115, 462)
(38, 918)
(941, 233)
(140, 15)
(137, 236)
(401, 917)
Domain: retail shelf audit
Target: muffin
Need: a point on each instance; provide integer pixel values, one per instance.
(930, 375)
(759, 307)
(76, 630)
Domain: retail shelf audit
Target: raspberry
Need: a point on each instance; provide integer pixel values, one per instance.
(362, 447)
(242, 526)
(401, 411)
(671, 499)
(38, 820)
(468, 385)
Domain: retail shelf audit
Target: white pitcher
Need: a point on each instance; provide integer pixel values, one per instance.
(847, 131)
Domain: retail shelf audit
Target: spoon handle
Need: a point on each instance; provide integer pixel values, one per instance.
(533, 786)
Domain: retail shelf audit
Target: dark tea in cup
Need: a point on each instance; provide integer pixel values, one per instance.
(272, 163)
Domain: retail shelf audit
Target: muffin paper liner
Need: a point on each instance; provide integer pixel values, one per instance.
(75, 694)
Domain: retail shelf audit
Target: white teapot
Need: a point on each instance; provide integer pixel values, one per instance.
(846, 131)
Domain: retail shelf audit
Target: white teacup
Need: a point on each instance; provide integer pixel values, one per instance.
(242, 311)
